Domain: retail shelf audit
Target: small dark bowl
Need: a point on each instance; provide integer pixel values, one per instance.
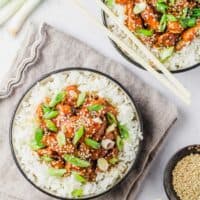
(167, 181)
(139, 117)
(122, 53)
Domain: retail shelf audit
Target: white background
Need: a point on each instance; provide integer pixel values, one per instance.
(64, 16)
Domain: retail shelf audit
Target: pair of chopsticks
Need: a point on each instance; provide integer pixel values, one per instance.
(18, 10)
(166, 78)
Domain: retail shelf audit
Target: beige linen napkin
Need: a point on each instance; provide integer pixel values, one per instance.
(50, 50)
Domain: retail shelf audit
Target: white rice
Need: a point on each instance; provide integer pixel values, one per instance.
(24, 124)
(187, 57)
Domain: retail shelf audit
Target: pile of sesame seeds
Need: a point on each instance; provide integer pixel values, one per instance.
(186, 177)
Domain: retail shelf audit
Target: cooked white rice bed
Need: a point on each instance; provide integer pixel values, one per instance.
(187, 57)
(24, 124)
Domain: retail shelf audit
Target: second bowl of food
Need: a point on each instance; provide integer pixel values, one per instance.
(76, 133)
(169, 29)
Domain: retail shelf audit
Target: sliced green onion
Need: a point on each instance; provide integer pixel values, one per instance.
(46, 109)
(36, 146)
(78, 134)
(145, 32)
(56, 172)
(195, 12)
(120, 143)
(95, 107)
(163, 23)
(76, 161)
(50, 125)
(184, 12)
(81, 98)
(79, 178)
(92, 143)
(161, 6)
(57, 99)
(37, 142)
(111, 118)
(39, 135)
(139, 7)
(188, 22)
(172, 2)
(166, 53)
(171, 18)
(51, 114)
(113, 161)
(109, 3)
(123, 131)
(61, 139)
(46, 158)
(77, 193)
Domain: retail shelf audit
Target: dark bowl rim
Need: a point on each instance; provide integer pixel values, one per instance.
(123, 54)
(174, 159)
(139, 116)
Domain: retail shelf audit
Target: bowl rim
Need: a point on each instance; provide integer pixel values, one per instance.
(123, 54)
(137, 110)
(174, 159)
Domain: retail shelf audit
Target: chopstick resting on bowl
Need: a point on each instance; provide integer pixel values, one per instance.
(179, 90)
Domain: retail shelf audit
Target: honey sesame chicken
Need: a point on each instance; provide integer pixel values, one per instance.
(71, 128)
(160, 23)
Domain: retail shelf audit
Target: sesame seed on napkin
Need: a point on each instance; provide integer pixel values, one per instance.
(49, 49)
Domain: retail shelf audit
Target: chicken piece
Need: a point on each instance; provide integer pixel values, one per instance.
(46, 151)
(166, 40)
(58, 164)
(123, 2)
(66, 109)
(133, 21)
(150, 18)
(174, 27)
(187, 36)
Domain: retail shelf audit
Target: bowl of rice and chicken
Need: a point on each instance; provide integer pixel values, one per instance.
(170, 29)
(76, 133)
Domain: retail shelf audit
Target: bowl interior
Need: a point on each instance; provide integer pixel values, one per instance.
(46, 79)
(171, 165)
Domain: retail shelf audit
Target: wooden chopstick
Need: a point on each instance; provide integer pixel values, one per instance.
(143, 48)
(133, 54)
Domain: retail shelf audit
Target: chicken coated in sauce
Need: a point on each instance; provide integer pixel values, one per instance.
(163, 23)
(75, 130)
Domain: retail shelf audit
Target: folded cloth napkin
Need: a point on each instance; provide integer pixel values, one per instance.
(50, 50)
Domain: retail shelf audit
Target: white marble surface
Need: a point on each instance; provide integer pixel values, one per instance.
(63, 15)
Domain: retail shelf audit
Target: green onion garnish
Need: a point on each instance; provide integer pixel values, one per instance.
(81, 98)
(78, 134)
(76, 161)
(79, 178)
(111, 118)
(50, 125)
(120, 143)
(92, 143)
(95, 107)
(51, 114)
(56, 172)
(145, 32)
(57, 99)
(61, 139)
(77, 193)
(123, 131)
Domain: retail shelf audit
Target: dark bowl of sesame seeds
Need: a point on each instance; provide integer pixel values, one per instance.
(182, 174)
